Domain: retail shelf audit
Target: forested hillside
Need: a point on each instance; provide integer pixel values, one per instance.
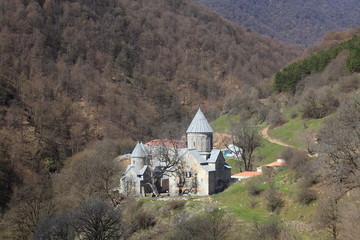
(294, 21)
(74, 72)
(288, 78)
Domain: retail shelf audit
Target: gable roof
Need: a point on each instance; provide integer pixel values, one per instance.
(214, 156)
(200, 124)
(139, 151)
(197, 156)
(137, 172)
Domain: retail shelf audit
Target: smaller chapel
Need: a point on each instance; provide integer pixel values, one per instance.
(201, 169)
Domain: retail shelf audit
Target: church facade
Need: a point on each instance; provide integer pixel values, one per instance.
(198, 168)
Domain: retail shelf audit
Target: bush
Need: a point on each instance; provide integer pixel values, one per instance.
(276, 117)
(171, 206)
(287, 154)
(273, 199)
(350, 83)
(297, 160)
(319, 104)
(253, 203)
(253, 187)
(214, 224)
(306, 196)
(294, 115)
(273, 228)
(137, 217)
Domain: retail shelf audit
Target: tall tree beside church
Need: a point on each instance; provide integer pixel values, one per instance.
(247, 138)
(167, 162)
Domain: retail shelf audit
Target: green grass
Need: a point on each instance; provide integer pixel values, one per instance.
(221, 124)
(236, 200)
(269, 151)
(234, 163)
(293, 129)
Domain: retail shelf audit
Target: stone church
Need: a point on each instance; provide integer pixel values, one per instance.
(200, 169)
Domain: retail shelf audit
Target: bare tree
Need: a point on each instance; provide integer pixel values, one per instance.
(89, 174)
(93, 219)
(247, 139)
(307, 137)
(327, 214)
(32, 201)
(272, 229)
(97, 220)
(340, 141)
(350, 211)
(214, 224)
(166, 160)
(57, 227)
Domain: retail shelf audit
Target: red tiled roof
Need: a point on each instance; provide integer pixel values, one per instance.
(247, 174)
(275, 164)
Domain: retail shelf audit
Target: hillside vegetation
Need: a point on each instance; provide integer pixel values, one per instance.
(80, 80)
(77, 71)
(298, 22)
(288, 78)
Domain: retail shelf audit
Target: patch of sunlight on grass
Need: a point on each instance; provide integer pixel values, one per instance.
(221, 124)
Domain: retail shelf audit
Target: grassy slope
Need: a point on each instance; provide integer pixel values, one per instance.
(237, 201)
(267, 153)
(221, 124)
(293, 130)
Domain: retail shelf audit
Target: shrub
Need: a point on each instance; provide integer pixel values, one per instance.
(215, 224)
(297, 160)
(253, 187)
(171, 206)
(287, 154)
(253, 203)
(350, 83)
(319, 104)
(273, 199)
(176, 204)
(137, 217)
(273, 228)
(306, 196)
(294, 115)
(276, 117)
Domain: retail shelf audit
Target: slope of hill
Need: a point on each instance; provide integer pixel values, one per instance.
(73, 72)
(289, 78)
(294, 21)
(116, 58)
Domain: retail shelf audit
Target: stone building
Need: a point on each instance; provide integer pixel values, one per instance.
(200, 169)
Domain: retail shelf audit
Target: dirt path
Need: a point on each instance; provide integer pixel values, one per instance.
(264, 134)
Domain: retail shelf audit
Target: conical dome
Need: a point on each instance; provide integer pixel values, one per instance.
(139, 151)
(200, 124)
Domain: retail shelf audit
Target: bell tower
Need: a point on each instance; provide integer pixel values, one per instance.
(138, 156)
(200, 135)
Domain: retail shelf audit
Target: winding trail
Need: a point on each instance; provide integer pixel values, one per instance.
(265, 135)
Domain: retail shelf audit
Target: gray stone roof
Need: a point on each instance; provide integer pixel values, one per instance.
(139, 151)
(214, 155)
(208, 168)
(200, 124)
(137, 172)
(197, 156)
